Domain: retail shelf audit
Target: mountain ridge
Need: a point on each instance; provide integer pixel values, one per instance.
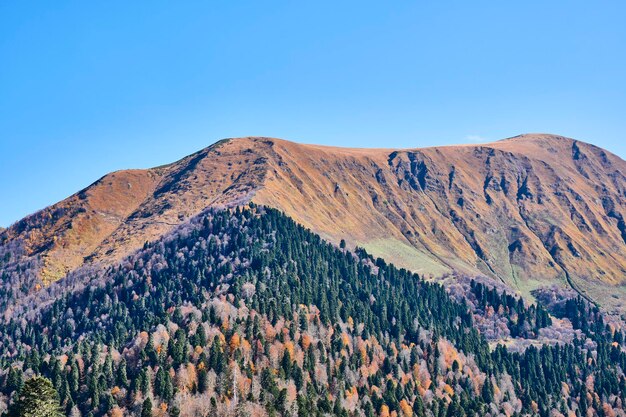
(533, 210)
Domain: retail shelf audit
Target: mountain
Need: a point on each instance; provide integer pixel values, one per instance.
(238, 281)
(531, 211)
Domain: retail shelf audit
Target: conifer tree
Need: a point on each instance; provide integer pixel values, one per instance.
(146, 408)
(122, 377)
(38, 398)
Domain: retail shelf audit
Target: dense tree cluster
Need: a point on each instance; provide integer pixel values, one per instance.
(522, 321)
(244, 312)
(18, 274)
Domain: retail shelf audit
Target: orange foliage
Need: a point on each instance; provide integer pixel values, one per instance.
(345, 339)
(270, 332)
(363, 353)
(534, 406)
(305, 341)
(235, 342)
(384, 411)
(404, 379)
(351, 393)
(116, 412)
(422, 376)
(243, 385)
(364, 371)
(192, 375)
(449, 354)
(245, 345)
(407, 411)
(608, 410)
(290, 348)
(352, 399)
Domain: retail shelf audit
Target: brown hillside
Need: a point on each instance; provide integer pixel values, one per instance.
(533, 210)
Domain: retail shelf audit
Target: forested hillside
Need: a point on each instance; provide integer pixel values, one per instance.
(244, 312)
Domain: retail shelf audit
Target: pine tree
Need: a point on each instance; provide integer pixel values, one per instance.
(107, 369)
(146, 408)
(122, 378)
(144, 381)
(163, 386)
(14, 380)
(487, 391)
(38, 398)
(418, 407)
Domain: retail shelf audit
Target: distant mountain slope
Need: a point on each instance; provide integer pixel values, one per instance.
(532, 211)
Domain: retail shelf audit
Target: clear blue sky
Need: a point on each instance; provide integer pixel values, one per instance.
(89, 87)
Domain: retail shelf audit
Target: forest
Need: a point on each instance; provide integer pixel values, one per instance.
(243, 312)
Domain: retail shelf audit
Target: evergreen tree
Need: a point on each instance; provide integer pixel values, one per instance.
(38, 398)
(122, 375)
(146, 408)
(418, 407)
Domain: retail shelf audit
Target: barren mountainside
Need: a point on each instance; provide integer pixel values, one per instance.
(531, 211)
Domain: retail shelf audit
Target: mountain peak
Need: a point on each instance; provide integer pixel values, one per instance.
(493, 209)
(545, 140)
(536, 136)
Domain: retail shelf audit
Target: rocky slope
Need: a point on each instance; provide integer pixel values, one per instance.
(531, 211)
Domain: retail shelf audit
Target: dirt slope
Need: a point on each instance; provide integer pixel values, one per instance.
(533, 210)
